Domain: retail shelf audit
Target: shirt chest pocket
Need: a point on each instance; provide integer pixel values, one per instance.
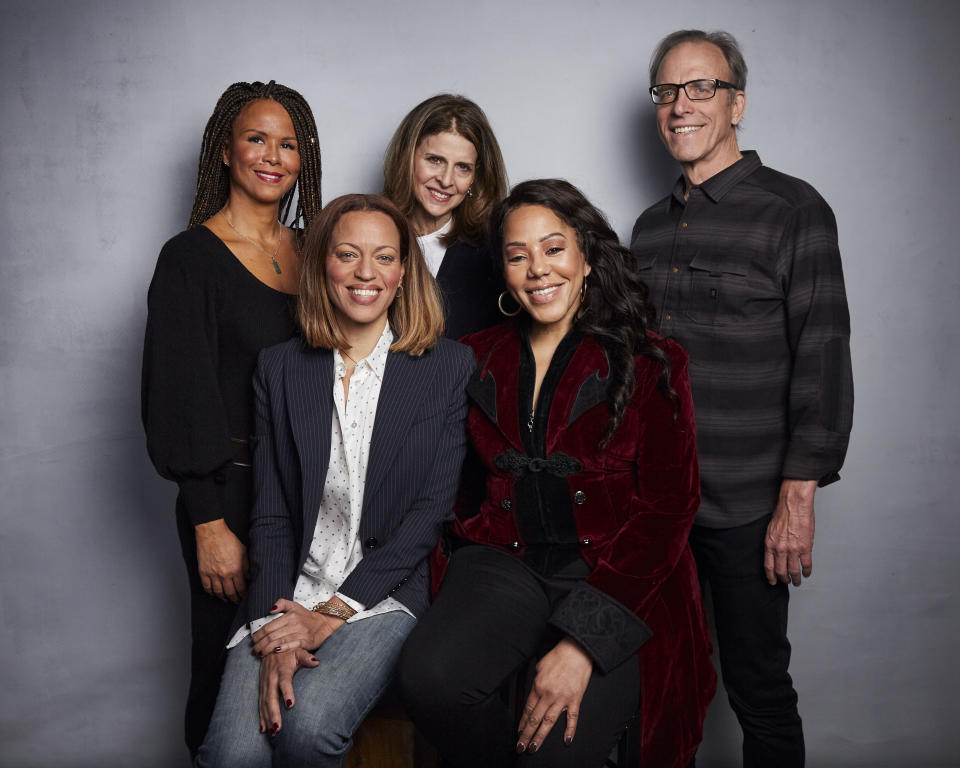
(715, 289)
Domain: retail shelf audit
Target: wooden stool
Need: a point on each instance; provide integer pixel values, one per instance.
(387, 738)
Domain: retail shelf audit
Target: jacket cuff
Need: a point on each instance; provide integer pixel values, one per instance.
(202, 498)
(830, 477)
(797, 466)
(356, 605)
(607, 630)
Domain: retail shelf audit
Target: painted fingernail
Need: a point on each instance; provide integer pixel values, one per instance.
(533, 747)
(520, 747)
(262, 729)
(274, 607)
(277, 649)
(568, 740)
(276, 727)
(289, 703)
(313, 658)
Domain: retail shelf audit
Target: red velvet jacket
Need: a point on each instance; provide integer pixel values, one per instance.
(633, 501)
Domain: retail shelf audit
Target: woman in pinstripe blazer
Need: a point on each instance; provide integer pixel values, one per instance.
(360, 437)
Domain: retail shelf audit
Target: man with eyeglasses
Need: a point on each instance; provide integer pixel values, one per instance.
(744, 270)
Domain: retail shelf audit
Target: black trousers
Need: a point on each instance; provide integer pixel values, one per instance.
(210, 617)
(751, 623)
(463, 673)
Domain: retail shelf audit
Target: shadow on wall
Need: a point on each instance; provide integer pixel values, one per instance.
(650, 163)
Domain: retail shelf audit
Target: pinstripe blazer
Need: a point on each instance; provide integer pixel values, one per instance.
(417, 448)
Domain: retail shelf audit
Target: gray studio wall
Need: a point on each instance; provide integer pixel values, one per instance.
(103, 106)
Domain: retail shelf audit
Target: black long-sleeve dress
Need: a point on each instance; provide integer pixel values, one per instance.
(208, 318)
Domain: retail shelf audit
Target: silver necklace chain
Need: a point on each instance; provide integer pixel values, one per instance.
(271, 256)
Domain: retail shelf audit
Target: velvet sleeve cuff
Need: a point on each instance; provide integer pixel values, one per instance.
(607, 630)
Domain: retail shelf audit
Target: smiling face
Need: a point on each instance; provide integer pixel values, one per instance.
(363, 269)
(543, 266)
(700, 135)
(444, 167)
(262, 153)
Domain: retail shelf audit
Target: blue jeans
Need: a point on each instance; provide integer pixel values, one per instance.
(356, 665)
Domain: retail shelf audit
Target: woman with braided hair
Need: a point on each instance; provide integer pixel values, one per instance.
(223, 290)
(569, 586)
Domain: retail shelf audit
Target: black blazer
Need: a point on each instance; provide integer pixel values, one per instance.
(470, 286)
(418, 444)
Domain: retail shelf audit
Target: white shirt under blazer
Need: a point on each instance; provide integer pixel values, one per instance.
(416, 452)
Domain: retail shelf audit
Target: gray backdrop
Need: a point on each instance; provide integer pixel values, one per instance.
(103, 105)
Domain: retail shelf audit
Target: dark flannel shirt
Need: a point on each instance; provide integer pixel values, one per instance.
(746, 275)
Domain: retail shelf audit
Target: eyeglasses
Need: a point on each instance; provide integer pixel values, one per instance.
(696, 90)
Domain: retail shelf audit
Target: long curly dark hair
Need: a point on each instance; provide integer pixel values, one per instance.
(615, 309)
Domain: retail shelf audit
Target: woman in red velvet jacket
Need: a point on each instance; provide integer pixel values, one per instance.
(568, 559)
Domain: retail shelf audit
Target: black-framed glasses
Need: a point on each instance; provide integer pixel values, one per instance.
(696, 90)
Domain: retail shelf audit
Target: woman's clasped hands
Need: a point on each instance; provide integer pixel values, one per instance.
(284, 646)
(296, 628)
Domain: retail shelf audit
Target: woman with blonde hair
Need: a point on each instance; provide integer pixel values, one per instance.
(359, 441)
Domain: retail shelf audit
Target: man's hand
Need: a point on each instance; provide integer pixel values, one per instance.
(788, 547)
(221, 561)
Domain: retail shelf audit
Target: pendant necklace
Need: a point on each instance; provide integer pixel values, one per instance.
(271, 256)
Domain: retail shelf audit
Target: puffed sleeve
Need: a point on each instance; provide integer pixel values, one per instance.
(182, 407)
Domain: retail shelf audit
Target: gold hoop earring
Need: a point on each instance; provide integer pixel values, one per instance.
(502, 310)
(583, 289)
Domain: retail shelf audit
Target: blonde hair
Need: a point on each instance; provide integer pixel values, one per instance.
(416, 314)
(456, 114)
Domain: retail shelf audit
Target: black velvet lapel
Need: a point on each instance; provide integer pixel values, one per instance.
(482, 389)
(593, 390)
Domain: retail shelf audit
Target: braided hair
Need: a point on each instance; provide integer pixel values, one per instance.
(615, 309)
(213, 177)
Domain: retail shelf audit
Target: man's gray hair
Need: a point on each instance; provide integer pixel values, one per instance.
(723, 40)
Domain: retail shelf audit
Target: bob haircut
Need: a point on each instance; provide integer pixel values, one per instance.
(456, 114)
(416, 314)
